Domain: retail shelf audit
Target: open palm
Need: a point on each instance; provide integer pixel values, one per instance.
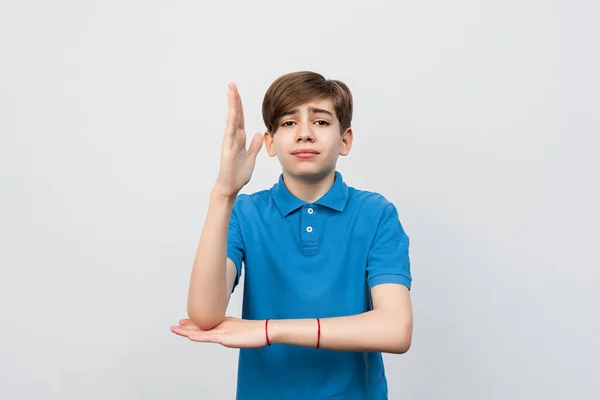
(231, 332)
(237, 163)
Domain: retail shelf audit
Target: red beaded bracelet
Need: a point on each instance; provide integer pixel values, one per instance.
(267, 331)
(318, 332)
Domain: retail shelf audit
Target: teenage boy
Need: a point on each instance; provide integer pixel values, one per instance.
(327, 270)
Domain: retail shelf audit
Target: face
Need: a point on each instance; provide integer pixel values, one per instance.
(308, 140)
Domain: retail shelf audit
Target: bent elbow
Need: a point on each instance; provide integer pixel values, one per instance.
(203, 320)
(402, 340)
(402, 346)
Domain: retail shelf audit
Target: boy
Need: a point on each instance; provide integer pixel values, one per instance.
(327, 269)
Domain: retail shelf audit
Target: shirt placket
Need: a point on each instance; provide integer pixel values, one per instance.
(309, 227)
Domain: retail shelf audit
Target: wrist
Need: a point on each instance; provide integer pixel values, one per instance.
(273, 331)
(298, 332)
(220, 196)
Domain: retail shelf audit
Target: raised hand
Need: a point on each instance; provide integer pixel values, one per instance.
(237, 163)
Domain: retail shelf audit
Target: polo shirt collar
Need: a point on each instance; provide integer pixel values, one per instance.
(335, 198)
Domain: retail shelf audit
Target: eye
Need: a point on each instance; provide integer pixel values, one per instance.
(324, 123)
(287, 123)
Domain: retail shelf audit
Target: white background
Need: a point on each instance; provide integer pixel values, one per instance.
(479, 120)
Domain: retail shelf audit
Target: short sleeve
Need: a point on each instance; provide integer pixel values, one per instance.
(235, 243)
(388, 260)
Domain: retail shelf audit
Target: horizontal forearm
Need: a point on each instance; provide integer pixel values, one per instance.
(374, 330)
(208, 294)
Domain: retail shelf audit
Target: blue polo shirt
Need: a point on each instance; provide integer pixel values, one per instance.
(308, 260)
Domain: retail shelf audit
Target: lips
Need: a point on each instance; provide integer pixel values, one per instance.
(305, 151)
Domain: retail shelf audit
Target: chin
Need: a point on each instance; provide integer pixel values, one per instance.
(308, 172)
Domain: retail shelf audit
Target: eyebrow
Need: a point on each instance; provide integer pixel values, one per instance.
(312, 110)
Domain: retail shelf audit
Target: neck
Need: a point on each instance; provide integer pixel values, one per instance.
(309, 189)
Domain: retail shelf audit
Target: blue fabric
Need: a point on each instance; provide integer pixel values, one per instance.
(308, 260)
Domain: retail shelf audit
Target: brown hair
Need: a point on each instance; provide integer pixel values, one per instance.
(291, 90)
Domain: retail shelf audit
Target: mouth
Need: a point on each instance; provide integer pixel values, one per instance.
(305, 153)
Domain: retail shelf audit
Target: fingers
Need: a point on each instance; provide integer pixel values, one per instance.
(195, 334)
(239, 107)
(255, 145)
(178, 331)
(205, 337)
(235, 112)
(231, 112)
(186, 330)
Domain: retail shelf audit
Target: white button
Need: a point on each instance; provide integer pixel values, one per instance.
(309, 229)
(310, 210)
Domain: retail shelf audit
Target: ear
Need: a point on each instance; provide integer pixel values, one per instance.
(269, 145)
(347, 139)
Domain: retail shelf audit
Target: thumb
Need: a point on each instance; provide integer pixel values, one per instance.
(255, 145)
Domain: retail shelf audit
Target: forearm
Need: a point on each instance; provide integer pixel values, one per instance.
(375, 330)
(208, 294)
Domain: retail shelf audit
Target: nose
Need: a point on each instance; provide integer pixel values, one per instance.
(305, 133)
